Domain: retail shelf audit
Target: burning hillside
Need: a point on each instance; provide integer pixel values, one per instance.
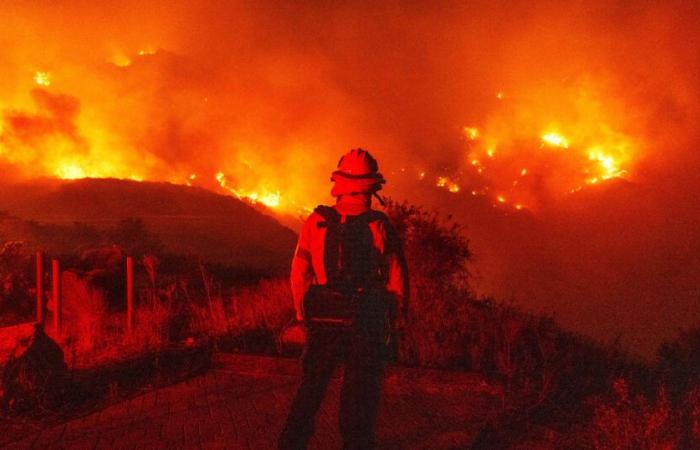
(475, 103)
(519, 158)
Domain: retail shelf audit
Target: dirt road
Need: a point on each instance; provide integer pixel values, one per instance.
(242, 402)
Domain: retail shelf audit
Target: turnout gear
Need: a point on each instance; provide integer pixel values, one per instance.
(385, 255)
(348, 255)
(361, 354)
(348, 277)
(354, 275)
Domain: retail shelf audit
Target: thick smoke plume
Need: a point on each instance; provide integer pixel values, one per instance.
(262, 99)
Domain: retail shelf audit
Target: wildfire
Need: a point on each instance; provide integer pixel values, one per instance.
(42, 79)
(70, 172)
(267, 198)
(472, 133)
(537, 147)
(119, 59)
(447, 183)
(555, 140)
(523, 150)
(607, 164)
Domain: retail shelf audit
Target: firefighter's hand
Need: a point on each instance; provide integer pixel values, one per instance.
(300, 316)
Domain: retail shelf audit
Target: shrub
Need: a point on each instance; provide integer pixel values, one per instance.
(267, 305)
(678, 363)
(437, 255)
(625, 420)
(16, 301)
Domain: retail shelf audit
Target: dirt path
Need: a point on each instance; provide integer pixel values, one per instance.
(242, 402)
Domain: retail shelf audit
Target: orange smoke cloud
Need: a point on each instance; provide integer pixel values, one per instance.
(267, 93)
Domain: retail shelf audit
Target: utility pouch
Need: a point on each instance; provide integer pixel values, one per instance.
(326, 306)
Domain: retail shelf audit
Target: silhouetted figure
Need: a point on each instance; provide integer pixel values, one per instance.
(349, 280)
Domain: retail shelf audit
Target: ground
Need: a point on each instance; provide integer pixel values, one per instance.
(242, 403)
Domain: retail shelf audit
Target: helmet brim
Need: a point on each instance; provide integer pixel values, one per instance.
(344, 186)
(365, 178)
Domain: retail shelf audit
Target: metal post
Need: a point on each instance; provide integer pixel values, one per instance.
(57, 300)
(129, 294)
(40, 287)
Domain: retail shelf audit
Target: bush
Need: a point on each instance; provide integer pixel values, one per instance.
(16, 300)
(546, 372)
(437, 256)
(35, 378)
(678, 363)
(625, 420)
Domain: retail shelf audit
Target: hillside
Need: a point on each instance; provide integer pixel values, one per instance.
(186, 220)
(616, 260)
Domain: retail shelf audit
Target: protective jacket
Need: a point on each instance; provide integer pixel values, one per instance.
(308, 263)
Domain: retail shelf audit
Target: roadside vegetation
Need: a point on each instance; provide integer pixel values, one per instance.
(559, 389)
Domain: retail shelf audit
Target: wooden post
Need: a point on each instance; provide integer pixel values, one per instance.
(129, 294)
(57, 300)
(40, 287)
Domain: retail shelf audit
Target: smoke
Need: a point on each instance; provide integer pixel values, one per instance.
(26, 137)
(201, 86)
(269, 95)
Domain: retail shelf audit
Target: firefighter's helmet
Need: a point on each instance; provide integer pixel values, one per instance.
(358, 172)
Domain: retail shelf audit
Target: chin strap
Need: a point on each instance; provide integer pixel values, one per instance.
(379, 198)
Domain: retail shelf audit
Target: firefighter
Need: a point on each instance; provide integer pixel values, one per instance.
(349, 284)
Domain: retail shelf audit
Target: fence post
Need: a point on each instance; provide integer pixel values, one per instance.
(129, 294)
(40, 287)
(58, 301)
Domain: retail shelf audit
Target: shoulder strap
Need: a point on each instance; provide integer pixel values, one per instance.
(372, 215)
(329, 214)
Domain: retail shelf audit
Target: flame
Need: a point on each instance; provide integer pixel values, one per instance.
(552, 144)
(529, 142)
(267, 198)
(70, 172)
(447, 183)
(120, 59)
(42, 78)
(609, 167)
(472, 133)
(555, 139)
